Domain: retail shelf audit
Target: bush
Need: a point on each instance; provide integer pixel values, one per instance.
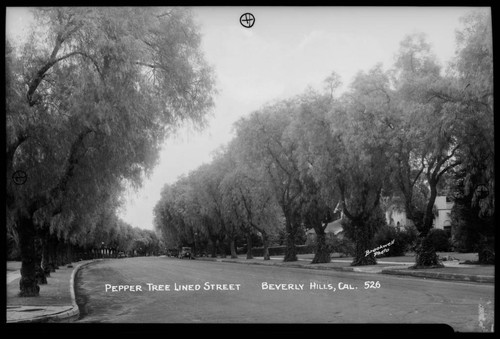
(409, 236)
(311, 245)
(300, 236)
(487, 255)
(371, 226)
(440, 240)
(304, 249)
(470, 220)
(385, 235)
(280, 250)
(404, 240)
(341, 245)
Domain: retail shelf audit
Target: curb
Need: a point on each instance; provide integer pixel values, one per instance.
(320, 268)
(443, 276)
(68, 315)
(75, 309)
(391, 271)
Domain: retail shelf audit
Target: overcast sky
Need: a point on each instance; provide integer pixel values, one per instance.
(287, 50)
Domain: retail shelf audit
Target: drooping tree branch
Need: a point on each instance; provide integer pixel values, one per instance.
(12, 148)
(45, 198)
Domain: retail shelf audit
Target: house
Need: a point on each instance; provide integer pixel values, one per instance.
(442, 219)
(443, 206)
(395, 216)
(334, 228)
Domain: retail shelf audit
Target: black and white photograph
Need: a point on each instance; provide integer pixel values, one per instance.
(328, 165)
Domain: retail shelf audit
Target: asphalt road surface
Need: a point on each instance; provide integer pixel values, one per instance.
(170, 290)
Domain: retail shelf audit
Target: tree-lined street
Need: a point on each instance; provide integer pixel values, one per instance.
(398, 300)
(361, 167)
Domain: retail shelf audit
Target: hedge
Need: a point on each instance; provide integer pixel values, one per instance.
(276, 250)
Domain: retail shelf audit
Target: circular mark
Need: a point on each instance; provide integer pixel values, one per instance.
(482, 191)
(247, 20)
(19, 177)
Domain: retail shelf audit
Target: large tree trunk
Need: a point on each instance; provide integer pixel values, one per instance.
(44, 236)
(249, 245)
(39, 273)
(28, 283)
(58, 252)
(232, 246)
(64, 253)
(360, 259)
(222, 248)
(214, 247)
(196, 249)
(363, 243)
(322, 254)
(61, 251)
(290, 229)
(425, 252)
(429, 215)
(52, 244)
(70, 253)
(265, 241)
(486, 251)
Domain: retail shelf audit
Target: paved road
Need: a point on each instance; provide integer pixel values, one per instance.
(236, 293)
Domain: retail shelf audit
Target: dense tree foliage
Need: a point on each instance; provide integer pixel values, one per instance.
(252, 208)
(318, 150)
(396, 138)
(271, 151)
(90, 97)
(474, 211)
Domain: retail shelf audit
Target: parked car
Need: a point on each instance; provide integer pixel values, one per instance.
(186, 253)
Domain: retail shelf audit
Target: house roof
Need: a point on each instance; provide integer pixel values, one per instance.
(334, 227)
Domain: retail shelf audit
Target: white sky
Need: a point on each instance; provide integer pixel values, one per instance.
(287, 50)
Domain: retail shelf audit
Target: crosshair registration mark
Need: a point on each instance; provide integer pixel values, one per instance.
(247, 20)
(19, 177)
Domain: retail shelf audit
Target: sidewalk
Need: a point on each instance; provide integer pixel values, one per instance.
(453, 270)
(56, 302)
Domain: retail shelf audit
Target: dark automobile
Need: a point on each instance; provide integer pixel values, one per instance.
(186, 253)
